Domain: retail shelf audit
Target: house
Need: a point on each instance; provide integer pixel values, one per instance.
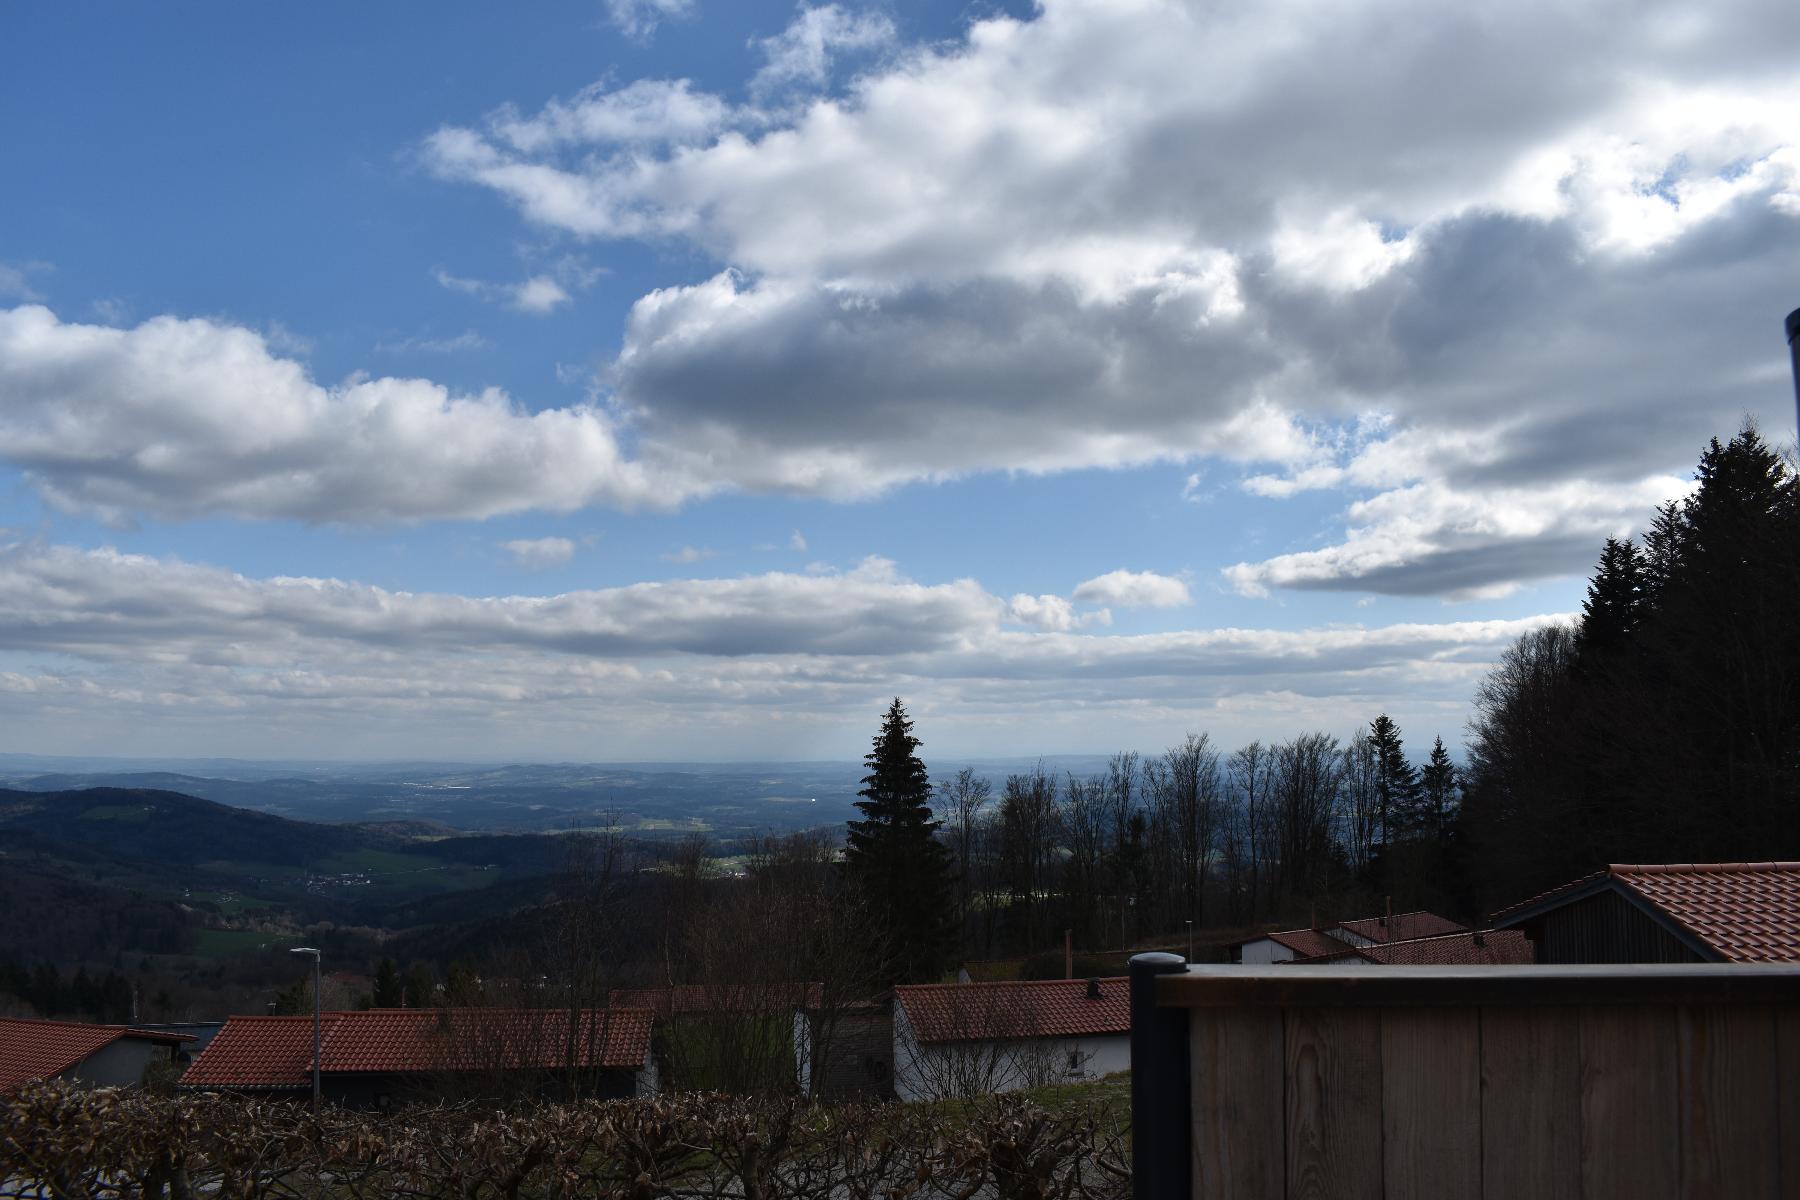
(845, 1052)
(1395, 927)
(972, 1039)
(1679, 912)
(385, 1056)
(82, 1054)
(1289, 945)
(1298, 945)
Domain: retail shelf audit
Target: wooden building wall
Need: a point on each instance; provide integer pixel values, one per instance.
(1604, 928)
(1375, 1089)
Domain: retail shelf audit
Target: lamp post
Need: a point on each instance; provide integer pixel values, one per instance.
(309, 950)
(1793, 336)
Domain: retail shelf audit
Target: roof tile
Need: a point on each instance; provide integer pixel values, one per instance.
(31, 1049)
(277, 1051)
(956, 1012)
(1746, 912)
(1403, 927)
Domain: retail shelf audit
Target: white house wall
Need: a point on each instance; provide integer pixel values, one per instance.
(917, 1067)
(1264, 951)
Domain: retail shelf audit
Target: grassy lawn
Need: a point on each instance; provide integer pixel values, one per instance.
(216, 943)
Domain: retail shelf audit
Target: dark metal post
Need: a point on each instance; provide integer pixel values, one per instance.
(1793, 337)
(318, 1003)
(1161, 1123)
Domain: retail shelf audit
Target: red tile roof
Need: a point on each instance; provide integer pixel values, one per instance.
(1498, 947)
(1308, 943)
(1743, 912)
(685, 999)
(277, 1051)
(45, 1049)
(1403, 927)
(957, 1012)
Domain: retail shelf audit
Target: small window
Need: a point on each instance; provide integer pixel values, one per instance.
(1074, 1062)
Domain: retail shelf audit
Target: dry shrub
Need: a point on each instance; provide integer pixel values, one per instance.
(105, 1144)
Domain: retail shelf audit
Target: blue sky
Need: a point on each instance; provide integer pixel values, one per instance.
(673, 379)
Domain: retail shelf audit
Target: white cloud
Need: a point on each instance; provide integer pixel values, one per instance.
(15, 280)
(467, 340)
(638, 19)
(641, 114)
(797, 542)
(538, 553)
(183, 418)
(538, 295)
(1134, 589)
(1434, 527)
(1115, 234)
(690, 554)
(802, 54)
(178, 651)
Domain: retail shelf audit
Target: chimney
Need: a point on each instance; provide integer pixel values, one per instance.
(1068, 954)
(1389, 914)
(1480, 937)
(1093, 988)
(1312, 916)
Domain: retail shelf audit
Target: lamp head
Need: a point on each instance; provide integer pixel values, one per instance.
(306, 950)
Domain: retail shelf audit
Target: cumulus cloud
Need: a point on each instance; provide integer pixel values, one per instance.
(1134, 589)
(144, 642)
(1114, 234)
(1323, 244)
(537, 553)
(182, 418)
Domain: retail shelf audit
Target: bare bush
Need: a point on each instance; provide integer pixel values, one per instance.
(113, 1145)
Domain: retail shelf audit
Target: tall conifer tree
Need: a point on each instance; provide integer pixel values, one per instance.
(1438, 783)
(894, 857)
(1396, 782)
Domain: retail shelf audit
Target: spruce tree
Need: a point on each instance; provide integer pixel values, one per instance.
(893, 856)
(1438, 783)
(1609, 615)
(1396, 783)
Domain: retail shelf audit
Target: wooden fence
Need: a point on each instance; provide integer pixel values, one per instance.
(1443, 1083)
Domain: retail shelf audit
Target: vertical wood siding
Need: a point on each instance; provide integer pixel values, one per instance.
(1552, 1102)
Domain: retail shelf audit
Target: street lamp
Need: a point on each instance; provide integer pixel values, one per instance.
(308, 950)
(1793, 336)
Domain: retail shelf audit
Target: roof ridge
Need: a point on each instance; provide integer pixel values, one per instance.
(991, 983)
(1720, 868)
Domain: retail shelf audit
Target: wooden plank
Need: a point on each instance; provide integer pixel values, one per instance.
(1629, 1107)
(1531, 1102)
(1728, 1104)
(1333, 1104)
(1204, 986)
(1787, 1075)
(1237, 1058)
(1431, 1103)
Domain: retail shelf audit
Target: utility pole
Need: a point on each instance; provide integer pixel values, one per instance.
(317, 996)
